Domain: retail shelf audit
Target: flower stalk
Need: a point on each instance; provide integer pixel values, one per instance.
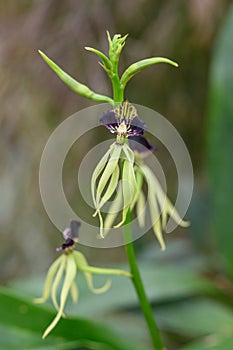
(139, 287)
(123, 121)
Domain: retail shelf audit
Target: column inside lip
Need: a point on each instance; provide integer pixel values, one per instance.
(123, 115)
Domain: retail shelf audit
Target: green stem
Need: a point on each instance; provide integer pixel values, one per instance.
(118, 96)
(138, 285)
(118, 90)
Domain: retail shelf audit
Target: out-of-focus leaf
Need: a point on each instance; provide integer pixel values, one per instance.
(18, 313)
(196, 317)
(211, 342)
(220, 142)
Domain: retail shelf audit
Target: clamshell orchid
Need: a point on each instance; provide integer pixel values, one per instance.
(63, 273)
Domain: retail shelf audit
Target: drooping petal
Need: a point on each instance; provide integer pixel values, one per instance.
(103, 271)
(108, 171)
(74, 292)
(155, 185)
(129, 154)
(82, 265)
(111, 188)
(140, 209)
(139, 182)
(129, 188)
(69, 278)
(99, 168)
(155, 217)
(170, 209)
(49, 279)
(114, 210)
(56, 283)
(166, 206)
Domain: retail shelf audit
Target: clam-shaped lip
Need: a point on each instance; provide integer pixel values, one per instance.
(113, 121)
(70, 235)
(141, 145)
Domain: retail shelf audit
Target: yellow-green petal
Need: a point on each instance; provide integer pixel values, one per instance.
(69, 278)
(129, 188)
(114, 210)
(141, 210)
(48, 281)
(87, 270)
(104, 271)
(99, 168)
(139, 182)
(74, 292)
(170, 209)
(108, 171)
(56, 282)
(155, 218)
(111, 188)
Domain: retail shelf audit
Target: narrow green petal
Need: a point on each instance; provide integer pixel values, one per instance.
(139, 181)
(82, 265)
(128, 153)
(74, 85)
(56, 282)
(101, 223)
(175, 215)
(74, 292)
(166, 206)
(114, 210)
(155, 185)
(48, 281)
(140, 65)
(164, 219)
(69, 278)
(140, 209)
(99, 168)
(155, 218)
(108, 171)
(103, 271)
(111, 187)
(129, 188)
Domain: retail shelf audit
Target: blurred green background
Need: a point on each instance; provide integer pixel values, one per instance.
(190, 284)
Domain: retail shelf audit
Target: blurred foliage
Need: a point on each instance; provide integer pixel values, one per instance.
(220, 143)
(191, 295)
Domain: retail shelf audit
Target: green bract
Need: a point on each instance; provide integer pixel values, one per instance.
(110, 65)
(65, 269)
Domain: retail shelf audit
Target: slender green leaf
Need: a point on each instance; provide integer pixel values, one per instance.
(220, 142)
